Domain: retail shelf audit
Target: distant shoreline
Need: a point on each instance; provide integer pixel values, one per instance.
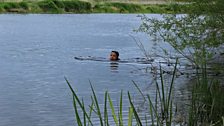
(88, 6)
(142, 2)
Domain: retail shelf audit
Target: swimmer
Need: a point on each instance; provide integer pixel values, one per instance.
(114, 56)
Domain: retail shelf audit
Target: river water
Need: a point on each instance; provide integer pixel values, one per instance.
(37, 51)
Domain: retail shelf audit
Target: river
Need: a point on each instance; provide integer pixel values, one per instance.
(37, 51)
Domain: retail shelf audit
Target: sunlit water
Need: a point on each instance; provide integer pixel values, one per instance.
(37, 52)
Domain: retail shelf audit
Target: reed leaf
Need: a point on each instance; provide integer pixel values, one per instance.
(139, 90)
(153, 110)
(79, 102)
(163, 103)
(138, 120)
(106, 123)
(172, 81)
(113, 111)
(97, 105)
(170, 113)
(84, 116)
(93, 106)
(130, 116)
(90, 111)
(158, 101)
(120, 113)
(77, 113)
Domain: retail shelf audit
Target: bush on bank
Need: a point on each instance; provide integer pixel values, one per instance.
(55, 6)
(46, 6)
(13, 7)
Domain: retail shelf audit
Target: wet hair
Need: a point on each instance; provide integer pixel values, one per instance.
(117, 53)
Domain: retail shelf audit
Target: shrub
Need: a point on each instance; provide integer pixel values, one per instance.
(24, 5)
(48, 6)
(154, 9)
(59, 3)
(127, 7)
(10, 5)
(76, 6)
(1, 8)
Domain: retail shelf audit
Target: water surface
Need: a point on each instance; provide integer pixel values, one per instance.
(37, 52)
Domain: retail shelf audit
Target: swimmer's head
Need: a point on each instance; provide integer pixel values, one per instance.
(114, 56)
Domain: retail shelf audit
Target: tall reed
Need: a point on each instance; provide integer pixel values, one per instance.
(164, 100)
(161, 117)
(102, 117)
(206, 107)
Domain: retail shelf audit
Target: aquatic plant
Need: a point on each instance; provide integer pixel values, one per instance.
(197, 36)
(206, 107)
(102, 114)
(164, 100)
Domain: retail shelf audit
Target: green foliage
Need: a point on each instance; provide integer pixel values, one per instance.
(10, 5)
(24, 5)
(167, 8)
(207, 6)
(207, 102)
(127, 7)
(80, 104)
(165, 101)
(76, 6)
(48, 6)
(103, 117)
(56, 6)
(118, 7)
(1, 8)
(187, 34)
(152, 9)
(59, 3)
(136, 8)
(19, 7)
(138, 120)
(197, 36)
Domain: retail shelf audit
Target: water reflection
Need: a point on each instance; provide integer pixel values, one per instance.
(114, 66)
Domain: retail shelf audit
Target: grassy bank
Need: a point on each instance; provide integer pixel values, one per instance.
(74, 6)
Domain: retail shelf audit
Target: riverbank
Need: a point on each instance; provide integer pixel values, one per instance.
(56, 6)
